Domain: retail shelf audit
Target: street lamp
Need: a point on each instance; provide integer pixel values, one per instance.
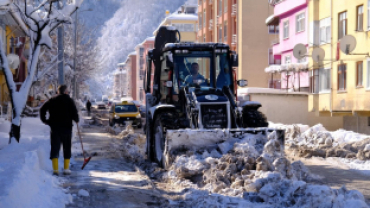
(75, 94)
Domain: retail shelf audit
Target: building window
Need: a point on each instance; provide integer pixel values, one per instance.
(225, 5)
(368, 121)
(220, 8)
(342, 25)
(204, 18)
(342, 76)
(141, 52)
(360, 72)
(368, 73)
(324, 77)
(286, 30)
(325, 31)
(300, 22)
(204, 38)
(273, 29)
(200, 21)
(315, 81)
(360, 18)
(225, 31)
(288, 59)
(220, 35)
(184, 27)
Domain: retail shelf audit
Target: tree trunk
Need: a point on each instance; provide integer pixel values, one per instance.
(15, 132)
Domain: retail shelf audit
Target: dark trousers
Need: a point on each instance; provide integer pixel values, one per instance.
(60, 137)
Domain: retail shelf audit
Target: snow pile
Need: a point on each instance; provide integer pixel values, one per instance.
(25, 169)
(317, 141)
(254, 173)
(132, 145)
(83, 192)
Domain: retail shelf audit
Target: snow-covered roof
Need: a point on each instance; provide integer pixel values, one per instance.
(117, 71)
(121, 64)
(287, 67)
(132, 53)
(269, 19)
(256, 90)
(150, 39)
(182, 16)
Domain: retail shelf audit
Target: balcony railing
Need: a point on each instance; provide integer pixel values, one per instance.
(275, 84)
(234, 10)
(234, 40)
(210, 25)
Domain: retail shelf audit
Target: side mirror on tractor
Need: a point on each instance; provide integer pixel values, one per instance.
(234, 59)
(242, 83)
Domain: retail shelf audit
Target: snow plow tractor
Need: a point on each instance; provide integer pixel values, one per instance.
(191, 101)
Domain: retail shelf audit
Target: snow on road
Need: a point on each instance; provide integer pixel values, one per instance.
(25, 169)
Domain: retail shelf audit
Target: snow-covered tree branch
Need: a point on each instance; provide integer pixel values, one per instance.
(37, 21)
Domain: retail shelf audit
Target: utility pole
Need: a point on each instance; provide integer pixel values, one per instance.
(74, 81)
(60, 52)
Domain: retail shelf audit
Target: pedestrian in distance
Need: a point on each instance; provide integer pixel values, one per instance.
(88, 107)
(62, 112)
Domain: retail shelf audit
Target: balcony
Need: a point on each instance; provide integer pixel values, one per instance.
(210, 28)
(234, 10)
(234, 39)
(210, 2)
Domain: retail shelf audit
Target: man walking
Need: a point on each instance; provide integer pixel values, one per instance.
(62, 111)
(88, 107)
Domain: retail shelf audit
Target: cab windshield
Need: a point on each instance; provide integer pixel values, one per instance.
(125, 109)
(194, 69)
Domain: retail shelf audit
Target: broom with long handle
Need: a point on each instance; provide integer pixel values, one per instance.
(86, 160)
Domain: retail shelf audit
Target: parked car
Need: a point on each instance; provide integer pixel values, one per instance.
(101, 105)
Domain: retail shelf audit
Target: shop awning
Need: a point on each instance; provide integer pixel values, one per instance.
(272, 20)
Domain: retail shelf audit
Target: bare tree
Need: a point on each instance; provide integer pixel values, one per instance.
(37, 19)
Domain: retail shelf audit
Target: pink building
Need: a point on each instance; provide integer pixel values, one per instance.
(141, 53)
(290, 23)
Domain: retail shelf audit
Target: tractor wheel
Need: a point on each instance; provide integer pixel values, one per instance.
(149, 140)
(111, 123)
(253, 118)
(159, 142)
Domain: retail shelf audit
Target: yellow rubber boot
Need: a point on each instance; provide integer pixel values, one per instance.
(66, 170)
(55, 166)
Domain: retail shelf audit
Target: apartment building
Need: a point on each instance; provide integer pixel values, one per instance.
(141, 51)
(120, 87)
(239, 23)
(340, 84)
(289, 23)
(185, 20)
(132, 76)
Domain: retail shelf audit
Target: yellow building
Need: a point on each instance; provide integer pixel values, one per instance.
(185, 20)
(340, 83)
(14, 42)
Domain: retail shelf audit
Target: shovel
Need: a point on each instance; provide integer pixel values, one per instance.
(86, 160)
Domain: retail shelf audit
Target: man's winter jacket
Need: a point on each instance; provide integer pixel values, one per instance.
(62, 111)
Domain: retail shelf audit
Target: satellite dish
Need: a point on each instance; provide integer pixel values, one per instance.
(318, 55)
(13, 61)
(300, 51)
(348, 44)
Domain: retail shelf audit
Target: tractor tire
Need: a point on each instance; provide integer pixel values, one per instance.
(149, 140)
(111, 123)
(253, 118)
(159, 143)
